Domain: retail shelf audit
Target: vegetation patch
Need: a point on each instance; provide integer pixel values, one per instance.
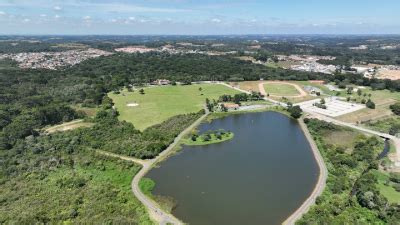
(166, 203)
(146, 185)
(389, 185)
(58, 186)
(352, 194)
(389, 125)
(208, 137)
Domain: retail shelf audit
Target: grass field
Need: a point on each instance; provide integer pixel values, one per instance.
(280, 89)
(253, 86)
(341, 138)
(382, 98)
(161, 103)
(385, 187)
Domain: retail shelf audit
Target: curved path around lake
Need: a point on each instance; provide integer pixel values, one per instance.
(154, 210)
(319, 187)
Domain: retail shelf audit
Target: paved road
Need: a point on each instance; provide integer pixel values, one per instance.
(154, 210)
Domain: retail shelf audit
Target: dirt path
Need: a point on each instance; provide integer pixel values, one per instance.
(301, 94)
(154, 210)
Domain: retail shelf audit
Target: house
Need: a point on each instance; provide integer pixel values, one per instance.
(231, 106)
(161, 82)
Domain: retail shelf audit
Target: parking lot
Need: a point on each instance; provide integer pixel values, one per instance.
(334, 107)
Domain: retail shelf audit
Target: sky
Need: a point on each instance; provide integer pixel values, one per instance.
(201, 17)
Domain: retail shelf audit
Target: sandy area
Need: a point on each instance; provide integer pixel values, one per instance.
(389, 74)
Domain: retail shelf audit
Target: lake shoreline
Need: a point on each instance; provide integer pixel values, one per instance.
(319, 186)
(316, 188)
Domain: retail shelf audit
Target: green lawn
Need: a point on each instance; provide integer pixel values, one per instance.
(280, 89)
(386, 189)
(161, 103)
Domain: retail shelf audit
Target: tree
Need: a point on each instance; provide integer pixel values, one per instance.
(395, 108)
(200, 89)
(370, 104)
(295, 111)
(322, 101)
(359, 92)
(141, 91)
(349, 90)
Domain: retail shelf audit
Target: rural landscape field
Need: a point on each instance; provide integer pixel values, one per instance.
(199, 112)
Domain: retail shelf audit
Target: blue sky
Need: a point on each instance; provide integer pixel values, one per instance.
(200, 17)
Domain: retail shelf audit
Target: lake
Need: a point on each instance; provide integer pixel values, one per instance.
(261, 176)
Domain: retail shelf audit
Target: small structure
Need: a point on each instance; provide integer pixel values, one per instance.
(312, 90)
(229, 106)
(161, 82)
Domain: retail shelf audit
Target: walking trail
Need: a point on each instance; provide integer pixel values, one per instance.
(154, 210)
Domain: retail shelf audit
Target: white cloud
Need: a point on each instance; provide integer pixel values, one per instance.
(57, 8)
(216, 20)
(43, 15)
(126, 8)
(132, 18)
(113, 20)
(57, 16)
(87, 17)
(26, 20)
(2, 13)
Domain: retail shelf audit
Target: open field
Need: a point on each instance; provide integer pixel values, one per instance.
(382, 98)
(341, 138)
(384, 186)
(280, 89)
(161, 103)
(254, 86)
(388, 74)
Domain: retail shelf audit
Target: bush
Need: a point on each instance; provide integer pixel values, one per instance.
(370, 104)
(295, 111)
(395, 108)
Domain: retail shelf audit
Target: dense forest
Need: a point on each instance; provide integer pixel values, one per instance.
(351, 195)
(60, 177)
